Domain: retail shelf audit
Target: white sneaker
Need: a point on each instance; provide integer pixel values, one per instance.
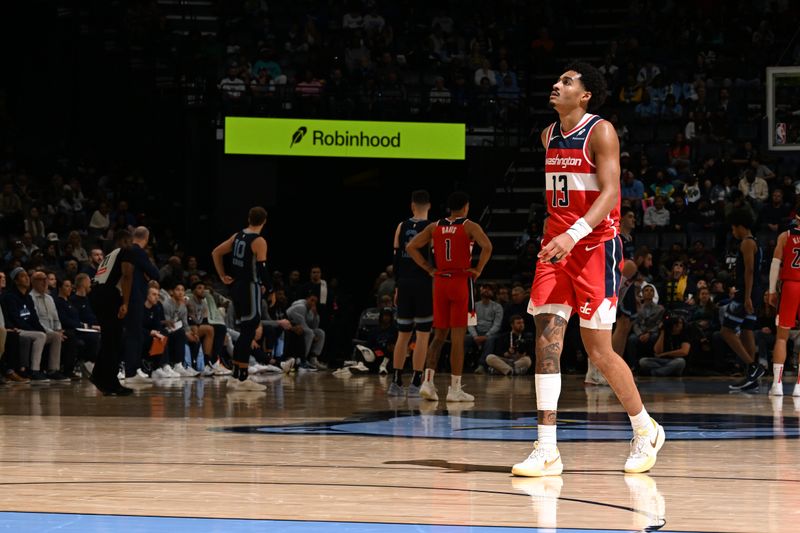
(287, 366)
(543, 461)
(247, 385)
(316, 363)
(220, 370)
(272, 369)
(428, 391)
(140, 377)
(644, 449)
(253, 370)
(179, 369)
(458, 395)
(796, 392)
(162, 373)
(647, 501)
(191, 372)
(121, 375)
(776, 389)
(207, 371)
(383, 370)
(171, 373)
(594, 376)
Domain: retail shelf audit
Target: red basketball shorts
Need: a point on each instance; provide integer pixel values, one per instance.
(586, 282)
(452, 294)
(790, 305)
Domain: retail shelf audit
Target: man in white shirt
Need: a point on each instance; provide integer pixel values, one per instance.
(48, 316)
(232, 87)
(656, 216)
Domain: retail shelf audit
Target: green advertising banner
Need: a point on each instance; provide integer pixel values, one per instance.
(344, 138)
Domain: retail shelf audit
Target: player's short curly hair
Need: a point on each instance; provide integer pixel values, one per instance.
(741, 217)
(593, 81)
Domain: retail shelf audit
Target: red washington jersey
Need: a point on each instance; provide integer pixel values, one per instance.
(790, 269)
(571, 182)
(452, 246)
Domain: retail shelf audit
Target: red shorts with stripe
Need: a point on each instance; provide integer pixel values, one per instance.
(789, 307)
(452, 293)
(586, 281)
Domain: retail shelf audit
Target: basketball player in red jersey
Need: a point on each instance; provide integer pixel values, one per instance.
(452, 288)
(580, 265)
(786, 266)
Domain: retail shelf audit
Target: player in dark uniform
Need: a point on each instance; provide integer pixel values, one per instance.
(413, 297)
(249, 278)
(741, 312)
(110, 296)
(452, 239)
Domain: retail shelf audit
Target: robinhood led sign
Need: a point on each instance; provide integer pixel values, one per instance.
(344, 138)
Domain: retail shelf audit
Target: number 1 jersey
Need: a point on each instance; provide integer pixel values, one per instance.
(571, 182)
(452, 246)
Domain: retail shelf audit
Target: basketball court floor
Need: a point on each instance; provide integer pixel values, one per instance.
(323, 453)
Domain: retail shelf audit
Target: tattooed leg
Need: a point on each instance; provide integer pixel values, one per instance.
(550, 330)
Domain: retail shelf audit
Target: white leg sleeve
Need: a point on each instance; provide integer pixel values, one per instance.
(548, 389)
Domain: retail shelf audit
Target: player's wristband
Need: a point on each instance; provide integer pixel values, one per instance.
(579, 230)
(774, 272)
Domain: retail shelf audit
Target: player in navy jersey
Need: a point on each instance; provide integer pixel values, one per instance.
(452, 239)
(579, 268)
(248, 278)
(740, 315)
(413, 297)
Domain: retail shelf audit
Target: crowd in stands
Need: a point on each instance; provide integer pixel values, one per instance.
(54, 234)
(686, 95)
(700, 68)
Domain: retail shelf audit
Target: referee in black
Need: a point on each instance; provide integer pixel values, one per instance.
(110, 296)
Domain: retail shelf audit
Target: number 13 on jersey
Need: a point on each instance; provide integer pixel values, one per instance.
(560, 190)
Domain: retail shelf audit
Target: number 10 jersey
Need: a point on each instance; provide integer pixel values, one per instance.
(571, 182)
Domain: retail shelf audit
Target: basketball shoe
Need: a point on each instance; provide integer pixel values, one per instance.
(395, 390)
(543, 461)
(428, 391)
(750, 380)
(644, 449)
(594, 376)
(458, 395)
(248, 384)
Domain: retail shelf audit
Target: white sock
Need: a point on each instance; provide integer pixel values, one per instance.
(777, 373)
(429, 372)
(455, 382)
(547, 435)
(641, 421)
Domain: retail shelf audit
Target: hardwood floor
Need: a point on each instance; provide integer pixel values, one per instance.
(320, 451)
